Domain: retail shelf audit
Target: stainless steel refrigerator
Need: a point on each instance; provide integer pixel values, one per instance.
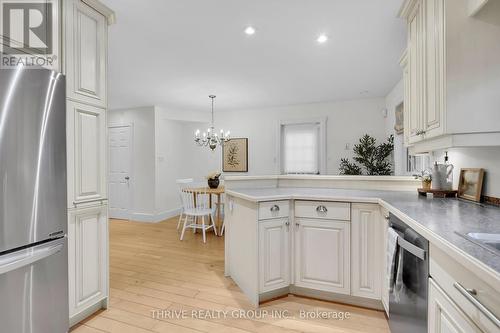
(33, 223)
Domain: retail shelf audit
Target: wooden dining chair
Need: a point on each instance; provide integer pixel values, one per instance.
(195, 207)
(181, 184)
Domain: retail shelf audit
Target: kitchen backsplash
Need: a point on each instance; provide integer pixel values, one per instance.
(487, 158)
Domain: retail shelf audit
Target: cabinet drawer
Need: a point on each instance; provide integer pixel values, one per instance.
(323, 210)
(273, 209)
(456, 280)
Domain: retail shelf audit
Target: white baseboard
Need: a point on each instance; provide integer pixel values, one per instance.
(154, 218)
(167, 214)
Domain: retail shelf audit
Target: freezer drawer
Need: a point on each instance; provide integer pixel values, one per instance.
(34, 289)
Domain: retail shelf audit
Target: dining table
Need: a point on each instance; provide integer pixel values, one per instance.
(210, 192)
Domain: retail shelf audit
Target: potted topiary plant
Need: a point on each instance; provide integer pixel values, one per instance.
(370, 157)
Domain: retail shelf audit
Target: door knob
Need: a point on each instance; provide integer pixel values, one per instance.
(127, 178)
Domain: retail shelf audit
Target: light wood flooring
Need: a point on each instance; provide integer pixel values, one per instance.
(150, 269)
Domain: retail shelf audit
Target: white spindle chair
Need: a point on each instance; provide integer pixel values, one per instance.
(181, 183)
(201, 211)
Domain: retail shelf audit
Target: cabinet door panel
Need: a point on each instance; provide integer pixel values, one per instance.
(274, 254)
(87, 239)
(366, 262)
(86, 60)
(322, 255)
(86, 153)
(444, 315)
(433, 112)
(415, 66)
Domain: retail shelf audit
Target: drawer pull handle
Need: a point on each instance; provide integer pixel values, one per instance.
(469, 294)
(321, 209)
(275, 208)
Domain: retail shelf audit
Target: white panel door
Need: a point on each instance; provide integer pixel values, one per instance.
(86, 47)
(366, 251)
(274, 254)
(322, 255)
(87, 257)
(119, 171)
(444, 316)
(86, 146)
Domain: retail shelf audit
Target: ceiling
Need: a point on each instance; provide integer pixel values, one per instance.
(174, 53)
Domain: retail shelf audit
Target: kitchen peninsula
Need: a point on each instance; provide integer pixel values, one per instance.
(305, 235)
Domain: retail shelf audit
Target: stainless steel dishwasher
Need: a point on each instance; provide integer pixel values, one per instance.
(408, 296)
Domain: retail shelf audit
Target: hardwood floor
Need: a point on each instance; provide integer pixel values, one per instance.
(151, 269)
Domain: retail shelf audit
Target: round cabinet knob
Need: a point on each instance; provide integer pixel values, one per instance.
(275, 208)
(321, 209)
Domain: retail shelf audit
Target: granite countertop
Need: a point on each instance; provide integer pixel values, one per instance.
(436, 219)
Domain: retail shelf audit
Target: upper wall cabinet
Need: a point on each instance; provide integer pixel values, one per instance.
(86, 45)
(451, 70)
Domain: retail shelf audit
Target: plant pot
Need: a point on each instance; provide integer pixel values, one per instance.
(213, 183)
(426, 185)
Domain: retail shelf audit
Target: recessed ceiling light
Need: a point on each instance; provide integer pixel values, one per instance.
(250, 30)
(322, 38)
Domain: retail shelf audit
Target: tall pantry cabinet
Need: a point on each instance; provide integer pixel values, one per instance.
(85, 24)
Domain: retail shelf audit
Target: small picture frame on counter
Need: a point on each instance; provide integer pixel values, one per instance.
(470, 184)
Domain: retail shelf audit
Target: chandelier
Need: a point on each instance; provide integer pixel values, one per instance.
(210, 138)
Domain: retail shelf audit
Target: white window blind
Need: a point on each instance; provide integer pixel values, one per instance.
(300, 147)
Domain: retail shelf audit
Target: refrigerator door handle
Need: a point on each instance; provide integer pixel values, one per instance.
(26, 257)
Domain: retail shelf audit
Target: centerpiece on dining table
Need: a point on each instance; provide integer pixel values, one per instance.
(213, 179)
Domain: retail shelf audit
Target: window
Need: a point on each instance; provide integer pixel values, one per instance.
(301, 147)
(417, 163)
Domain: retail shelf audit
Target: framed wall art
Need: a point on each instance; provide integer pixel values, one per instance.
(235, 155)
(470, 184)
(399, 119)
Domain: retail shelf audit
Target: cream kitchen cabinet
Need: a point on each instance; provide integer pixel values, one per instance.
(88, 261)
(385, 264)
(451, 97)
(86, 48)
(444, 316)
(322, 255)
(366, 251)
(414, 109)
(462, 298)
(85, 58)
(86, 142)
(274, 258)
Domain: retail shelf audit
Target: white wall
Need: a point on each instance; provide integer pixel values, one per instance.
(142, 178)
(164, 149)
(477, 157)
(158, 158)
(347, 121)
(175, 158)
(393, 99)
